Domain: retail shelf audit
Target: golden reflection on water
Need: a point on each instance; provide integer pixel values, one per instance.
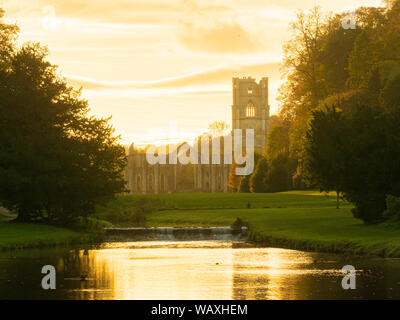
(192, 270)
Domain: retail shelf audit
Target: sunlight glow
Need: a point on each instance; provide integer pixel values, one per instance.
(167, 53)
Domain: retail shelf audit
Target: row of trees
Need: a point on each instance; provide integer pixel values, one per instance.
(271, 174)
(339, 116)
(337, 128)
(56, 161)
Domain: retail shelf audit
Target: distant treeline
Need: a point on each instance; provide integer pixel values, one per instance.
(337, 128)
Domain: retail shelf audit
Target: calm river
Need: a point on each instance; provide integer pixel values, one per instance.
(193, 270)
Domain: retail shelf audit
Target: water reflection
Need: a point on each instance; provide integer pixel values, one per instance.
(193, 270)
(277, 274)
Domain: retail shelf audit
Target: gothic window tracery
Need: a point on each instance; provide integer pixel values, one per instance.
(250, 110)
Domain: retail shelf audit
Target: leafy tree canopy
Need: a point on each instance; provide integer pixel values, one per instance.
(56, 161)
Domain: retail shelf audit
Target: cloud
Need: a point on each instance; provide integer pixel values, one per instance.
(222, 38)
(216, 75)
(117, 11)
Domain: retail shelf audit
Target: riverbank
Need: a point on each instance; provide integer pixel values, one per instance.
(23, 235)
(304, 220)
(311, 229)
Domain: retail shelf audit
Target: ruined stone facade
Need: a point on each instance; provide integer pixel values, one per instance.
(250, 110)
(143, 177)
(211, 177)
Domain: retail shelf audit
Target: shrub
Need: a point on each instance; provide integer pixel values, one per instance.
(257, 179)
(392, 211)
(132, 216)
(238, 224)
(244, 184)
(89, 224)
(368, 208)
(132, 212)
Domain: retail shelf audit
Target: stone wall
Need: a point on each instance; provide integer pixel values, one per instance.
(143, 178)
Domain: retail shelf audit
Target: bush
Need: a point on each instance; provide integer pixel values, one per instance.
(392, 211)
(90, 224)
(279, 176)
(132, 212)
(238, 224)
(245, 184)
(132, 216)
(368, 208)
(257, 179)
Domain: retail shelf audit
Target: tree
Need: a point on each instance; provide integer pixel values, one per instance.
(281, 164)
(278, 140)
(8, 36)
(234, 180)
(354, 149)
(337, 44)
(325, 154)
(324, 60)
(357, 154)
(218, 128)
(56, 161)
(367, 48)
(257, 180)
(304, 72)
(390, 94)
(244, 185)
(279, 175)
(302, 64)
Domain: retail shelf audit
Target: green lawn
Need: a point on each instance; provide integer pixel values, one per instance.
(298, 199)
(297, 219)
(19, 235)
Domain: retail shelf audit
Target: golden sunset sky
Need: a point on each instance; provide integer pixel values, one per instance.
(163, 68)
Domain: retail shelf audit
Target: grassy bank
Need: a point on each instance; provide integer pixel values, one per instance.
(19, 235)
(193, 201)
(304, 220)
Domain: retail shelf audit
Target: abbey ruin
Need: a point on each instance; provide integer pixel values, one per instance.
(250, 110)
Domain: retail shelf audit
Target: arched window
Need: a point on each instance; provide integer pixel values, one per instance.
(250, 110)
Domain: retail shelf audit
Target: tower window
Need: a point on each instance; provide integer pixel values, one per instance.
(250, 110)
(249, 90)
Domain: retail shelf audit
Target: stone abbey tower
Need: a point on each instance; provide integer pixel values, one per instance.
(250, 110)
